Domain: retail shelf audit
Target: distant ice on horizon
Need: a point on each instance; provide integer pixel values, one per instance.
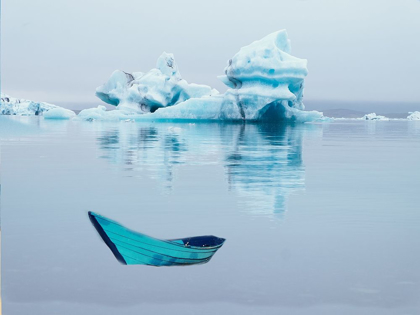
(373, 116)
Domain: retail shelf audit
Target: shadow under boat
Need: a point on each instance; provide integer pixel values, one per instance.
(133, 248)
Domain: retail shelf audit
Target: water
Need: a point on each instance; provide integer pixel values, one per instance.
(319, 219)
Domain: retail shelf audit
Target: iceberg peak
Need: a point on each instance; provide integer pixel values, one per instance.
(167, 65)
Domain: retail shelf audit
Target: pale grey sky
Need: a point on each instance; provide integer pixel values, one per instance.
(60, 50)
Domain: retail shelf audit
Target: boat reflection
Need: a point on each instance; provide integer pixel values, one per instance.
(263, 163)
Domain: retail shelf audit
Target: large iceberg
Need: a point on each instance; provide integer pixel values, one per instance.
(146, 92)
(265, 83)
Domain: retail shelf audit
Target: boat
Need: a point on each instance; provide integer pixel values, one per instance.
(134, 248)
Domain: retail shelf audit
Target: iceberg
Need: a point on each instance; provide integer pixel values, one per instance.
(414, 115)
(146, 92)
(373, 116)
(20, 107)
(265, 84)
(265, 80)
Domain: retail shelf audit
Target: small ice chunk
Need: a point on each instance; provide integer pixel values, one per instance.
(373, 116)
(59, 113)
(414, 115)
(100, 113)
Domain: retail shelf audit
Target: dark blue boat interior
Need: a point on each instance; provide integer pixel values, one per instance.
(203, 241)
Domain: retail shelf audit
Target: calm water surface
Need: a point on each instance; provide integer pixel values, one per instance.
(319, 219)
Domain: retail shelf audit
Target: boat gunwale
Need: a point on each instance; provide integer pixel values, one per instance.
(152, 245)
(193, 247)
(169, 241)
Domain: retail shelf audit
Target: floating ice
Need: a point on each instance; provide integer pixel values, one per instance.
(20, 107)
(414, 116)
(373, 116)
(100, 113)
(59, 113)
(145, 93)
(266, 83)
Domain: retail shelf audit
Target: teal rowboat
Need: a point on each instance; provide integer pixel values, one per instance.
(133, 248)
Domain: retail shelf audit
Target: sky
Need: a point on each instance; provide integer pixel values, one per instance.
(59, 51)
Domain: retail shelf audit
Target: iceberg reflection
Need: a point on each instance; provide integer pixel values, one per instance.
(263, 163)
(265, 166)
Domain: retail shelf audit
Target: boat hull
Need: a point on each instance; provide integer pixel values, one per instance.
(133, 248)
